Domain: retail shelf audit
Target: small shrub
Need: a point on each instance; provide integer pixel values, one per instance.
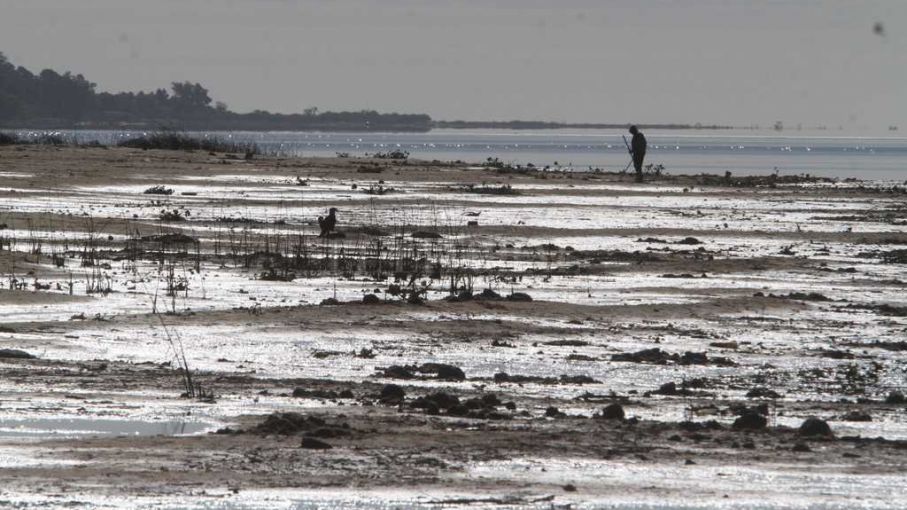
(394, 154)
(159, 190)
(174, 215)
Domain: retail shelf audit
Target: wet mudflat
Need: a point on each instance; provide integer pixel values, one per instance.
(470, 337)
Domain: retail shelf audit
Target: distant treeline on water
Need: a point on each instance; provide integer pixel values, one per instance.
(50, 100)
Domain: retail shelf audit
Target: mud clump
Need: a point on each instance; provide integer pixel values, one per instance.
(440, 371)
(896, 397)
(815, 427)
(484, 407)
(434, 403)
(487, 295)
(288, 424)
(750, 420)
(311, 443)
(322, 394)
(371, 299)
(504, 377)
(553, 412)
(443, 371)
(804, 296)
(656, 356)
(612, 412)
(392, 394)
(670, 389)
(398, 372)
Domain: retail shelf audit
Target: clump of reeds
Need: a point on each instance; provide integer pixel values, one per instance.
(484, 189)
(176, 141)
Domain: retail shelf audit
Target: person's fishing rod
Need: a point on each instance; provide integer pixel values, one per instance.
(630, 151)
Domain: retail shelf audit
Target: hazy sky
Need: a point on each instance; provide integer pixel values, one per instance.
(737, 62)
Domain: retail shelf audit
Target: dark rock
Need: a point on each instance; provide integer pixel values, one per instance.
(577, 379)
(519, 296)
(443, 371)
(458, 410)
(613, 412)
(803, 296)
(553, 412)
(392, 394)
(762, 393)
(437, 401)
(488, 294)
(813, 426)
(491, 400)
(654, 355)
(314, 444)
(569, 488)
(306, 393)
(835, 354)
(329, 302)
(423, 234)
(688, 462)
(694, 358)
(346, 394)
(669, 388)
(750, 421)
(16, 354)
(568, 343)
(328, 432)
(689, 240)
(398, 372)
(288, 424)
(371, 299)
(895, 397)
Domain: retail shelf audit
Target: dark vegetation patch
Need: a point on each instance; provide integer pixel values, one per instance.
(656, 356)
(883, 309)
(484, 407)
(440, 371)
(160, 189)
(503, 377)
(486, 189)
(175, 141)
(898, 256)
(753, 181)
(288, 424)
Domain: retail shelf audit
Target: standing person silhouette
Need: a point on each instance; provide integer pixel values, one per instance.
(638, 150)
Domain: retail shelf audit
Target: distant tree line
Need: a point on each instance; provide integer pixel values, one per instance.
(50, 100)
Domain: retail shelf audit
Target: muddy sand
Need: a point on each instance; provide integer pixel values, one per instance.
(468, 337)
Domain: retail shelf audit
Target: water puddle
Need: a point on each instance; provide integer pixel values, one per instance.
(42, 428)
